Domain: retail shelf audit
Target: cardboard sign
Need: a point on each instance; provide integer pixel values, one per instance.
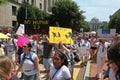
(58, 34)
(20, 30)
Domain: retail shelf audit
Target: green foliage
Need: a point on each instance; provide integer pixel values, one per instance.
(104, 26)
(115, 22)
(86, 27)
(66, 13)
(3, 2)
(32, 13)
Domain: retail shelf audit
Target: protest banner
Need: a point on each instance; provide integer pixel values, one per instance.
(36, 26)
(108, 34)
(58, 34)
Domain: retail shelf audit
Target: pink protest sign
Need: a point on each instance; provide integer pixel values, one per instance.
(22, 40)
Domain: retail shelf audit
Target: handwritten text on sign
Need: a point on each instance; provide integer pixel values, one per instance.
(58, 34)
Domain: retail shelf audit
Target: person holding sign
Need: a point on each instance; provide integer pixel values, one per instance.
(47, 52)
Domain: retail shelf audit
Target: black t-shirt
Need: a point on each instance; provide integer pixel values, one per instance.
(47, 48)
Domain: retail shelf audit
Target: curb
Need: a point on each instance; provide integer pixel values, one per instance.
(87, 72)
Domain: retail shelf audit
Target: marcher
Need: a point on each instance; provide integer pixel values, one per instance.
(60, 70)
(101, 56)
(6, 67)
(34, 43)
(87, 49)
(47, 52)
(40, 49)
(93, 48)
(11, 48)
(114, 59)
(29, 63)
(68, 52)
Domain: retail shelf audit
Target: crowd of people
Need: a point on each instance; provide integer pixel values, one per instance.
(58, 59)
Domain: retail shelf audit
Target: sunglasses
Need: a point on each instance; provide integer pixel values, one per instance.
(24, 46)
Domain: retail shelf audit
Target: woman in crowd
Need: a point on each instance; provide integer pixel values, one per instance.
(60, 70)
(29, 63)
(114, 59)
(40, 48)
(66, 49)
(86, 45)
(6, 67)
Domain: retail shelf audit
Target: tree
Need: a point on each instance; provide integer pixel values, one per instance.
(66, 13)
(86, 26)
(104, 26)
(3, 2)
(32, 13)
(115, 22)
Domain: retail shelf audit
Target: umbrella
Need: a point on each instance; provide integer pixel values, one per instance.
(3, 36)
(22, 40)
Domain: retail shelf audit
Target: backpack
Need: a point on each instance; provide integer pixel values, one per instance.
(14, 43)
(30, 57)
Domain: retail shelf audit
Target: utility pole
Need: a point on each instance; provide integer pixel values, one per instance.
(26, 5)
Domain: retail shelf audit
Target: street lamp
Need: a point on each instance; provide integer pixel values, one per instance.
(26, 3)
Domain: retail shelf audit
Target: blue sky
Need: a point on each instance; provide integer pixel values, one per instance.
(101, 9)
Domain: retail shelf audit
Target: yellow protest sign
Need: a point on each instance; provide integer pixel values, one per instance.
(58, 34)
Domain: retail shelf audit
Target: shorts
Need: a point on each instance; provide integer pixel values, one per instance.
(11, 55)
(47, 63)
(31, 77)
(93, 47)
(40, 53)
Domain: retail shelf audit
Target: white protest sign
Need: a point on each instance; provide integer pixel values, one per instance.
(21, 30)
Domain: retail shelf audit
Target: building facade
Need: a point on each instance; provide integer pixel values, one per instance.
(8, 12)
(94, 24)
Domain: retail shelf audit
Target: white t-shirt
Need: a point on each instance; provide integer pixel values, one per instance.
(28, 65)
(10, 44)
(62, 74)
(111, 75)
(102, 49)
(34, 46)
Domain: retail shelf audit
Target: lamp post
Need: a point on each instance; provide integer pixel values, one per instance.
(26, 4)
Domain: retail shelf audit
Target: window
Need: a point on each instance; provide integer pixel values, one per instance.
(40, 5)
(14, 10)
(14, 23)
(32, 2)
